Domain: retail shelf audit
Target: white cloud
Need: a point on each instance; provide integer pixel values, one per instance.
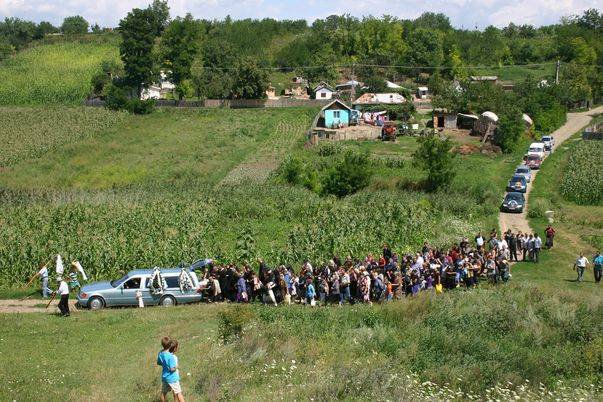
(465, 13)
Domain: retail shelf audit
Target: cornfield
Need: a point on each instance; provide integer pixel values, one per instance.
(582, 182)
(28, 133)
(111, 233)
(52, 74)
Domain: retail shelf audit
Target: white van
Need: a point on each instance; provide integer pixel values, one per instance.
(537, 149)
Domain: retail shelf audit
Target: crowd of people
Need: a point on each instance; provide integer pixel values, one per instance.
(376, 278)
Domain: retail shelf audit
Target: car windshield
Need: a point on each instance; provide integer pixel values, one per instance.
(118, 282)
(533, 158)
(518, 178)
(523, 170)
(546, 138)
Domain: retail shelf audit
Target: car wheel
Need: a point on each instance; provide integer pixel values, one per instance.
(96, 303)
(167, 301)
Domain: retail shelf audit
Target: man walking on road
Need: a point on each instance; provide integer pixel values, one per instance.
(63, 291)
(537, 247)
(598, 266)
(580, 266)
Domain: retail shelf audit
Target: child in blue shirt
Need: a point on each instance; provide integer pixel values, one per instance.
(170, 379)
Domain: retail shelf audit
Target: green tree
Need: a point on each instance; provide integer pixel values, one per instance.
(435, 157)
(136, 49)
(6, 49)
(321, 67)
(161, 15)
(350, 175)
(44, 28)
(250, 81)
(179, 46)
(425, 48)
(96, 29)
(510, 128)
(75, 25)
(17, 32)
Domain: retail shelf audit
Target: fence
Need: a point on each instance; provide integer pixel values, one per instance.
(231, 103)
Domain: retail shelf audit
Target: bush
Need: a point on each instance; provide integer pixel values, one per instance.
(348, 176)
(233, 321)
(138, 106)
(434, 156)
(509, 131)
(116, 97)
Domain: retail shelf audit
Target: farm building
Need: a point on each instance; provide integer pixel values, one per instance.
(485, 125)
(158, 90)
(442, 118)
(347, 86)
(334, 115)
(422, 92)
(323, 91)
(368, 99)
(392, 85)
(493, 79)
(466, 121)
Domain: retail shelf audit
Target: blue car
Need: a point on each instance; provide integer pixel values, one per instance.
(518, 183)
(513, 202)
(122, 292)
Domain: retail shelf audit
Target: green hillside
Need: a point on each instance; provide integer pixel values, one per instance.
(53, 74)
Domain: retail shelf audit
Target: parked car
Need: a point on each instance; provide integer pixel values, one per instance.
(536, 148)
(517, 183)
(122, 292)
(513, 202)
(524, 171)
(533, 161)
(549, 142)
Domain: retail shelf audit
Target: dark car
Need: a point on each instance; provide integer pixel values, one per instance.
(513, 202)
(534, 162)
(518, 183)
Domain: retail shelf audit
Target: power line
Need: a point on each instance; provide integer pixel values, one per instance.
(398, 66)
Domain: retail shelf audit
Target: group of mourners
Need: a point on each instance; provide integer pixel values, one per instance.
(377, 278)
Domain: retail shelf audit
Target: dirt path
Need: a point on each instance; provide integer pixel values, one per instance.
(31, 306)
(575, 121)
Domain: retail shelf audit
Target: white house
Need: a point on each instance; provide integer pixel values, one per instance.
(323, 91)
(153, 92)
(380, 99)
(422, 92)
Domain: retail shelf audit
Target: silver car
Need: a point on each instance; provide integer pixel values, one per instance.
(525, 171)
(122, 292)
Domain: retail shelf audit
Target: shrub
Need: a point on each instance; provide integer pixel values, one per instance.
(233, 321)
(509, 130)
(434, 156)
(348, 176)
(138, 106)
(116, 98)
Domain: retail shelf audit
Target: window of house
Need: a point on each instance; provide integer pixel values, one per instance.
(323, 95)
(336, 114)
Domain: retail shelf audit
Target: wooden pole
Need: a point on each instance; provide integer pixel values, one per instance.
(51, 299)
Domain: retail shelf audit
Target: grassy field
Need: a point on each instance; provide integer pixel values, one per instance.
(498, 343)
(179, 185)
(54, 73)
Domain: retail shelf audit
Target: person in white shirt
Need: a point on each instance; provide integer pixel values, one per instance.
(580, 266)
(63, 291)
(43, 274)
(537, 247)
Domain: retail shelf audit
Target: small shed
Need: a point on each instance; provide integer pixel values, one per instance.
(442, 118)
(422, 92)
(466, 121)
(486, 125)
(335, 115)
(347, 86)
(323, 91)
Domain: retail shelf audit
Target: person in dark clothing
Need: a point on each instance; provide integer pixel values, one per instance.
(512, 243)
(63, 292)
(550, 234)
(387, 253)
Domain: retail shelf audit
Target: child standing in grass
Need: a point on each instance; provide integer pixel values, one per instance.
(170, 379)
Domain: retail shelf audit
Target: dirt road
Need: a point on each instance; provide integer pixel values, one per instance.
(31, 306)
(575, 121)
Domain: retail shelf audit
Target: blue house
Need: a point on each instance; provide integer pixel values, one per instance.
(334, 115)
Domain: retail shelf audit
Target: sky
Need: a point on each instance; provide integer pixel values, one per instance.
(462, 13)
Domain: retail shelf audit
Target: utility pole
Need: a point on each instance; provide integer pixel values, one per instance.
(353, 94)
(557, 72)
